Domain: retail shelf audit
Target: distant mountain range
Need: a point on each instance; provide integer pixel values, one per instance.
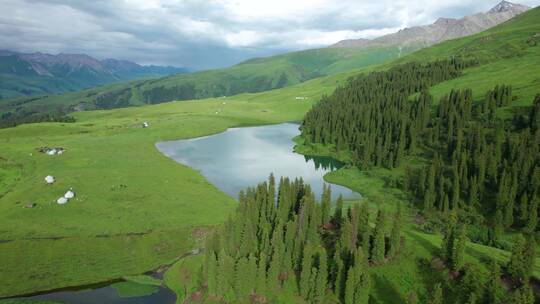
(38, 73)
(251, 76)
(443, 29)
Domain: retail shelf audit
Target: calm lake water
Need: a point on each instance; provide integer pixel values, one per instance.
(105, 294)
(242, 157)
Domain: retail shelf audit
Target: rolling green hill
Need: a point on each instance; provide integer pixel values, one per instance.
(254, 75)
(112, 232)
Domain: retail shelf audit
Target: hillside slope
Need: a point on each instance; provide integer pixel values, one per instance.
(39, 74)
(106, 149)
(255, 75)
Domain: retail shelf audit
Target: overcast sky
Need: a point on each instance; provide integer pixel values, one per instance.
(205, 34)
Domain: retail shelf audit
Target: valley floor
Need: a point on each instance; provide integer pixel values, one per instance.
(136, 209)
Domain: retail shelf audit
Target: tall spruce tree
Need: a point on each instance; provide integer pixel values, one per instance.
(395, 234)
(379, 243)
(436, 295)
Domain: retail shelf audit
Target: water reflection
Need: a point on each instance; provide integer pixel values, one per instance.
(242, 157)
(325, 163)
(105, 294)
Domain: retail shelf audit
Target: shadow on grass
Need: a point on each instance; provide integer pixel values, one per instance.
(427, 275)
(483, 257)
(385, 291)
(427, 245)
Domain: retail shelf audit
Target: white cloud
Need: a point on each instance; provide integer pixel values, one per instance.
(209, 33)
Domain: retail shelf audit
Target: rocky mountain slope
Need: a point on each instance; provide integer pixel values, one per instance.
(38, 73)
(443, 29)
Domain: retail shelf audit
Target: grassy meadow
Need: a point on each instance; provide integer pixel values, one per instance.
(136, 209)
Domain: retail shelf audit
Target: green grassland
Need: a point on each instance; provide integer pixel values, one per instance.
(255, 75)
(110, 231)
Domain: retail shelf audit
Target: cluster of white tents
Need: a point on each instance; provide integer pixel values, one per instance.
(52, 151)
(64, 199)
(55, 152)
(49, 179)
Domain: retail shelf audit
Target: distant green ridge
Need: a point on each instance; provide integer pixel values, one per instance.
(255, 75)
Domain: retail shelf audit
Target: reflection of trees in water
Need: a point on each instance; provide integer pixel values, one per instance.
(326, 163)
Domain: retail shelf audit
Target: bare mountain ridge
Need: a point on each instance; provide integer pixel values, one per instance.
(24, 74)
(442, 29)
(52, 65)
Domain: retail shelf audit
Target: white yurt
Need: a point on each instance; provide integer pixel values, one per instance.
(61, 201)
(51, 152)
(70, 194)
(145, 124)
(49, 179)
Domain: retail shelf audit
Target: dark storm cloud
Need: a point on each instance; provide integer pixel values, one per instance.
(207, 34)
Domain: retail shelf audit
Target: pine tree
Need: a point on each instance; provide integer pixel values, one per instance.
(363, 228)
(226, 275)
(379, 246)
(498, 227)
(436, 295)
(337, 219)
(211, 272)
(494, 288)
(532, 220)
(271, 198)
(311, 286)
(340, 274)
(305, 275)
(522, 295)
(350, 286)
(455, 189)
(325, 204)
(524, 208)
(449, 237)
(277, 258)
(395, 234)
(260, 285)
(509, 213)
(241, 283)
(412, 298)
(251, 274)
(322, 277)
(429, 196)
(362, 277)
(458, 252)
(358, 281)
(535, 114)
(518, 267)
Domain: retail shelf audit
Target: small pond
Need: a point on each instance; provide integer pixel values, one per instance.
(108, 293)
(242, 157)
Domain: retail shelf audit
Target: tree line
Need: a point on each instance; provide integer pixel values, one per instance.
(480, 175)
(282, 245)
(507, 283)
(486, 168)
(372, 116)
(12, 119)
